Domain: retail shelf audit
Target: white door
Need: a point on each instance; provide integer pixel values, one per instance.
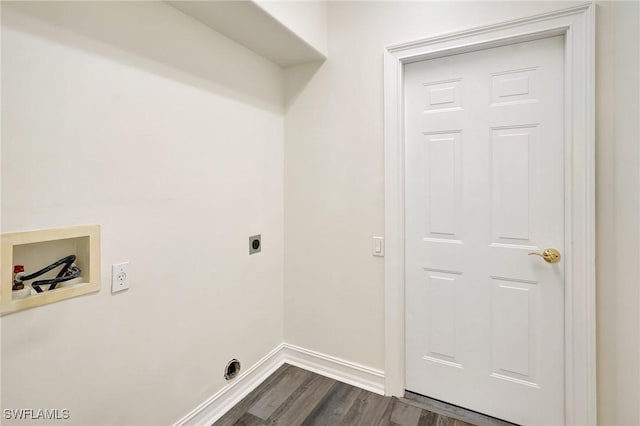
(484, 187)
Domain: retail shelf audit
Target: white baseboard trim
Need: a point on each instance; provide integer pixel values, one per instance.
(335, 368)
(222, 401)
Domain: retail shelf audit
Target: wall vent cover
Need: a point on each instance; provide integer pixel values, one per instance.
(232, 369)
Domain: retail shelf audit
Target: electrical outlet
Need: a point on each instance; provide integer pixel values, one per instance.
(120, 277)
(255, 244)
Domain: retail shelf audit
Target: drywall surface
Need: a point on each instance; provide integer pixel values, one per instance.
(170, 136)
(249, 24)
(306, 18)
(618, 211)
(334, 185)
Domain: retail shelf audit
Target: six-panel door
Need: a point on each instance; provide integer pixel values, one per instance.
(484, 185)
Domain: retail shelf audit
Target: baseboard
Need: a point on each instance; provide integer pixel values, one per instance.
(223, 400)
(335, 368)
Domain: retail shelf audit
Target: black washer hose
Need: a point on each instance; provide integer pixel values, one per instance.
(68, 272)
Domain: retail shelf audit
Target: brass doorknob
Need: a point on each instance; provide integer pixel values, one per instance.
(549, 255)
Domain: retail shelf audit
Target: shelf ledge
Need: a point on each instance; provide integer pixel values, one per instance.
(250, 25)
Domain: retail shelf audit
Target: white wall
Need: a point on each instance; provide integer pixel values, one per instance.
(306, 18)
(175, 136)
(139, 118)
(334, 184)
(618, 211)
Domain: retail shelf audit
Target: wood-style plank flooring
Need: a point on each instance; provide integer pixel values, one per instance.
(292, 396)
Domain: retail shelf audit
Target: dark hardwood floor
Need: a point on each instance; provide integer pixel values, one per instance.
(292, 396)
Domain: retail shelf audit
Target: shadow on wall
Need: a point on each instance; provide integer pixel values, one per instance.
(156, 38)
(297, 78)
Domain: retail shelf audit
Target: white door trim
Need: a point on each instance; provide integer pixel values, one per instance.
(577, 24)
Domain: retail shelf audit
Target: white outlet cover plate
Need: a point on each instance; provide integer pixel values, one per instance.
(120, 279)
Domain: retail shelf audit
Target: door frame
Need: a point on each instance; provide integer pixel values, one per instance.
(577, 24)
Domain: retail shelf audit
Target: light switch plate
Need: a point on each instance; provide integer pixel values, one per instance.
(120, 277)
(378, 246)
